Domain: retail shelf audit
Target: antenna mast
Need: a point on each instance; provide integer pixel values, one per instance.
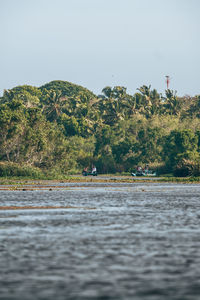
(167, 81)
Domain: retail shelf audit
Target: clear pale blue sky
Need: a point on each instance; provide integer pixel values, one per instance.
(96, 43)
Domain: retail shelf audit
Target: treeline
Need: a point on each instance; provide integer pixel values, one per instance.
(60, 128)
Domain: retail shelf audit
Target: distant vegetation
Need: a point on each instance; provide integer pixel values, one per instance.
(60, 128)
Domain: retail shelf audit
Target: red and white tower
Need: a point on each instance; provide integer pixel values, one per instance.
(167, 81)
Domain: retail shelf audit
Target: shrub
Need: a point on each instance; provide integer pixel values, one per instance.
(187, 168)
(12, 169)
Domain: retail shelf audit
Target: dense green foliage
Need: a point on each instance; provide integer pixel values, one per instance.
(61, 127)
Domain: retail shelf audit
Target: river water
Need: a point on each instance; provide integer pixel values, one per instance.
(119, 241)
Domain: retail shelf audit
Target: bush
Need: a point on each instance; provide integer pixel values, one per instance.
(12, 169)
(187, 168)
(105, 165)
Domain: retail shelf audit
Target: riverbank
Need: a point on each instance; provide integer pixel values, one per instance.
(20, 183)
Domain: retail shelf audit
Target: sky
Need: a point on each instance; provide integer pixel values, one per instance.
(98, 43)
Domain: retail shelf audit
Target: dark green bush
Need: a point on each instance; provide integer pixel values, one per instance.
(187, 168)
(12, 169)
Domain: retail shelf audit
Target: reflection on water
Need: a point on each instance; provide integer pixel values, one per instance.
(141, 241)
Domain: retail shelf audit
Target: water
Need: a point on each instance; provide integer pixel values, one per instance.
(122, 241)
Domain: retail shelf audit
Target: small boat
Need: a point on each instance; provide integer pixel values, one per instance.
(143, 173)
(86, 173)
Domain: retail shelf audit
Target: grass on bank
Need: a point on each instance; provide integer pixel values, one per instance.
(11, 173)
(126, 179)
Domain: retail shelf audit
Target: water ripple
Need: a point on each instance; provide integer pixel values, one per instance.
(140, 242)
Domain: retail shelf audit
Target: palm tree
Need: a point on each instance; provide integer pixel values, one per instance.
(172, 104)
(107, 91)
(53, 108)
(145, 91)
(155, 101)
